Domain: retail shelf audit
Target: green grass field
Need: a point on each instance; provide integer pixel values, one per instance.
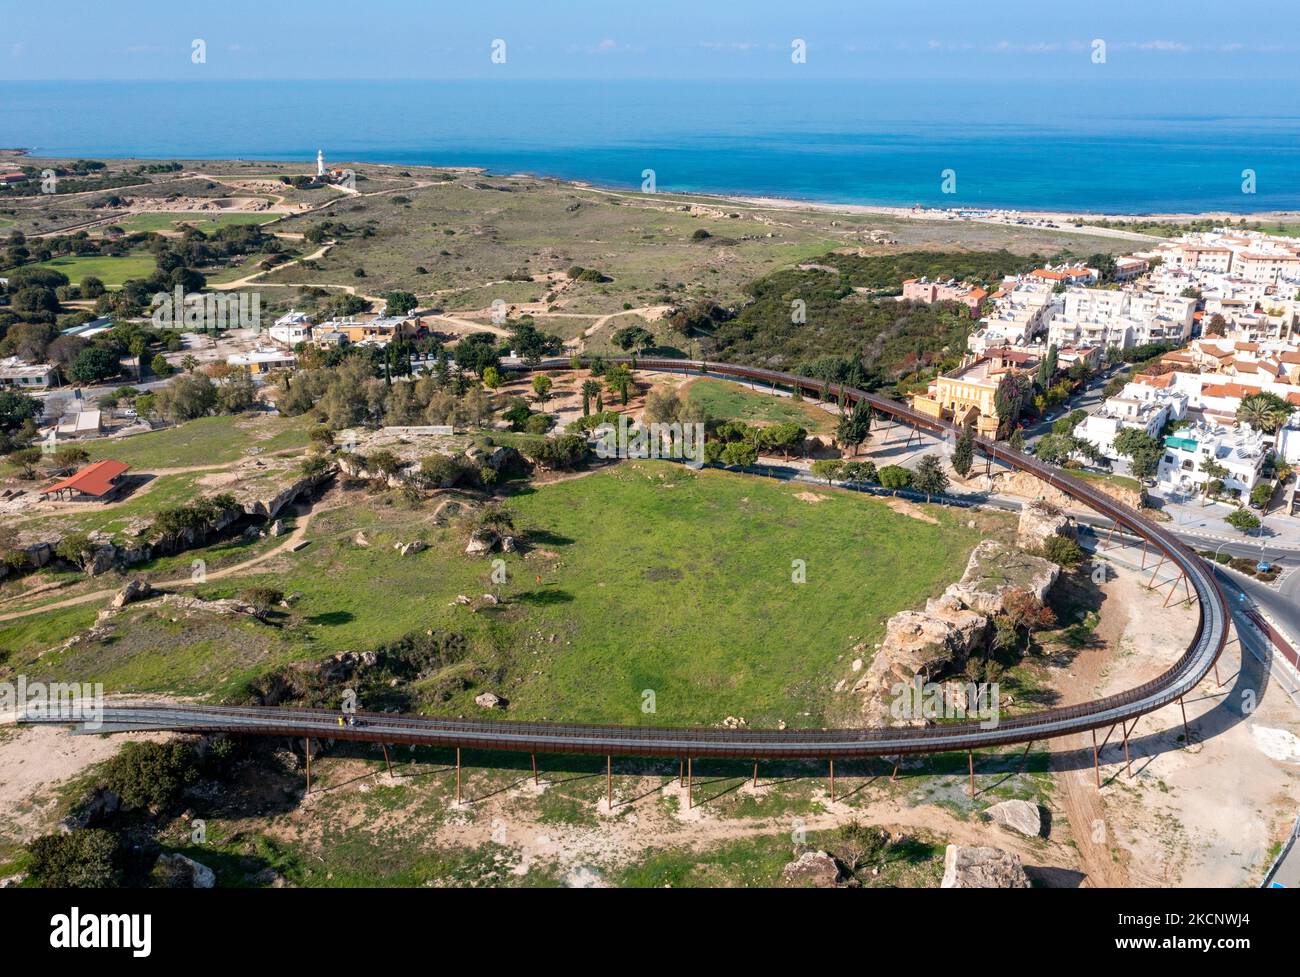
(175, 220)
(205, 441)
(111, 271)
(724, 399)
(645, 578)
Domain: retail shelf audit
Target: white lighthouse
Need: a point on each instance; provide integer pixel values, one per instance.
(320, 163)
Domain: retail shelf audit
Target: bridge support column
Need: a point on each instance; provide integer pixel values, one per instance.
(1025, 756)
(690, 785)
(1187, 733)
(1172, 591)
(1128, 762)
(681, 772)
(970, 760)
(755, 775)
(609, 781)
(308, 791)
(536, 782)
(1217, 683)
(894, 776)
(387, 762)
(1151, 582)
(832, 781)
(1096, 767)
(1144, 555)
(458, 776)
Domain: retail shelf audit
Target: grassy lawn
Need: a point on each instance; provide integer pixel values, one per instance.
(205, 441)
(1123, 481)
(110, 270)
(173, 221)
(725, 399)
(642, 578)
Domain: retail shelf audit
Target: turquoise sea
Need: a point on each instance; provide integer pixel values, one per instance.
(1115, 147)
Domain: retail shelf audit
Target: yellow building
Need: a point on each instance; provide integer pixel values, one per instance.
(968, 394)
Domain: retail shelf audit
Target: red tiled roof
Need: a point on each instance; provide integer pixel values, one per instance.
(96, 479)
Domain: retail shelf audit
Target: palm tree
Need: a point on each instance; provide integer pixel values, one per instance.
(1213, 471)
(1264, 412)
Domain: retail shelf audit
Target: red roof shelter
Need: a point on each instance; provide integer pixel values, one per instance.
(94, 480)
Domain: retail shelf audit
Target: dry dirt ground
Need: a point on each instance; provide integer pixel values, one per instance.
(1205, 815)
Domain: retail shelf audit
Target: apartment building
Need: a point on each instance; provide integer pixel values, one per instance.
(1239, 450)
(1141, 406)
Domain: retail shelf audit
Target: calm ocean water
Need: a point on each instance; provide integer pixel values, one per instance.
(1119, 147)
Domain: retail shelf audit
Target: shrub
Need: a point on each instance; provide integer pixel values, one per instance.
(1063, 551)
(150, 775)
(88, 858)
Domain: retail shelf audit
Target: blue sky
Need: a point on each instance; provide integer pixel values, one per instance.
(669, 39)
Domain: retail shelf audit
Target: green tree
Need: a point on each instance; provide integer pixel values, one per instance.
(855, 426)
(895, 477)
(963, 455)
(1244, 522)
(541, 387)
(160, 366)
(399, 303)
(930, 477)
(590, 391)
(618, 379)
(827, 468)
(633, 339)
(1142, 450)
(1264, 411)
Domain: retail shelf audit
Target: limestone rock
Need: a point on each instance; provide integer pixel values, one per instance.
(133, 591)
(1039, 522)
(812, 869)
(994, 568)
(489, 700)
(1021, 816)
(184, 873)
(482, 541)
(980, 867)
(415, 546)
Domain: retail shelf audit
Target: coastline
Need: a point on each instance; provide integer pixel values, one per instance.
(1052, 219)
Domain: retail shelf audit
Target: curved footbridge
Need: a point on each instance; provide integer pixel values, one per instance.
(688, 743)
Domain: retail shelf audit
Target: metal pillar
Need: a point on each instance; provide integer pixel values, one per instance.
(536, 782)
(1128, 762)
(681, 772)
(308, 791)
(690, 785)
(1172, 591)
(832, 781)
(1152, 581)
(458, 776)
(894, 776)
(1025, 756)
(1187, 733)
(755, 775)
(1144, 555)
(1096, 767)
(970, 759)
(609, 781)
(1217, 683)
(387, 761)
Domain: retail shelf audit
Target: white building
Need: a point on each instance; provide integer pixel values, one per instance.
(16, 374)
(1138, 406)
(291, 329)
(263, 359)
(1240, 450)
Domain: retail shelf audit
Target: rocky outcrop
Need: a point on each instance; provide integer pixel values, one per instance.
(174, 871)
(95, 809)
(1039, 522)
(993, 569)
(1022, 817)
(812, 870)
(482, 541)
(269, 506)
(133, 591)
(920, 647)
(489, 700)
(408, 549)
(196, 605)
(1027, 486)
(979, 867)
